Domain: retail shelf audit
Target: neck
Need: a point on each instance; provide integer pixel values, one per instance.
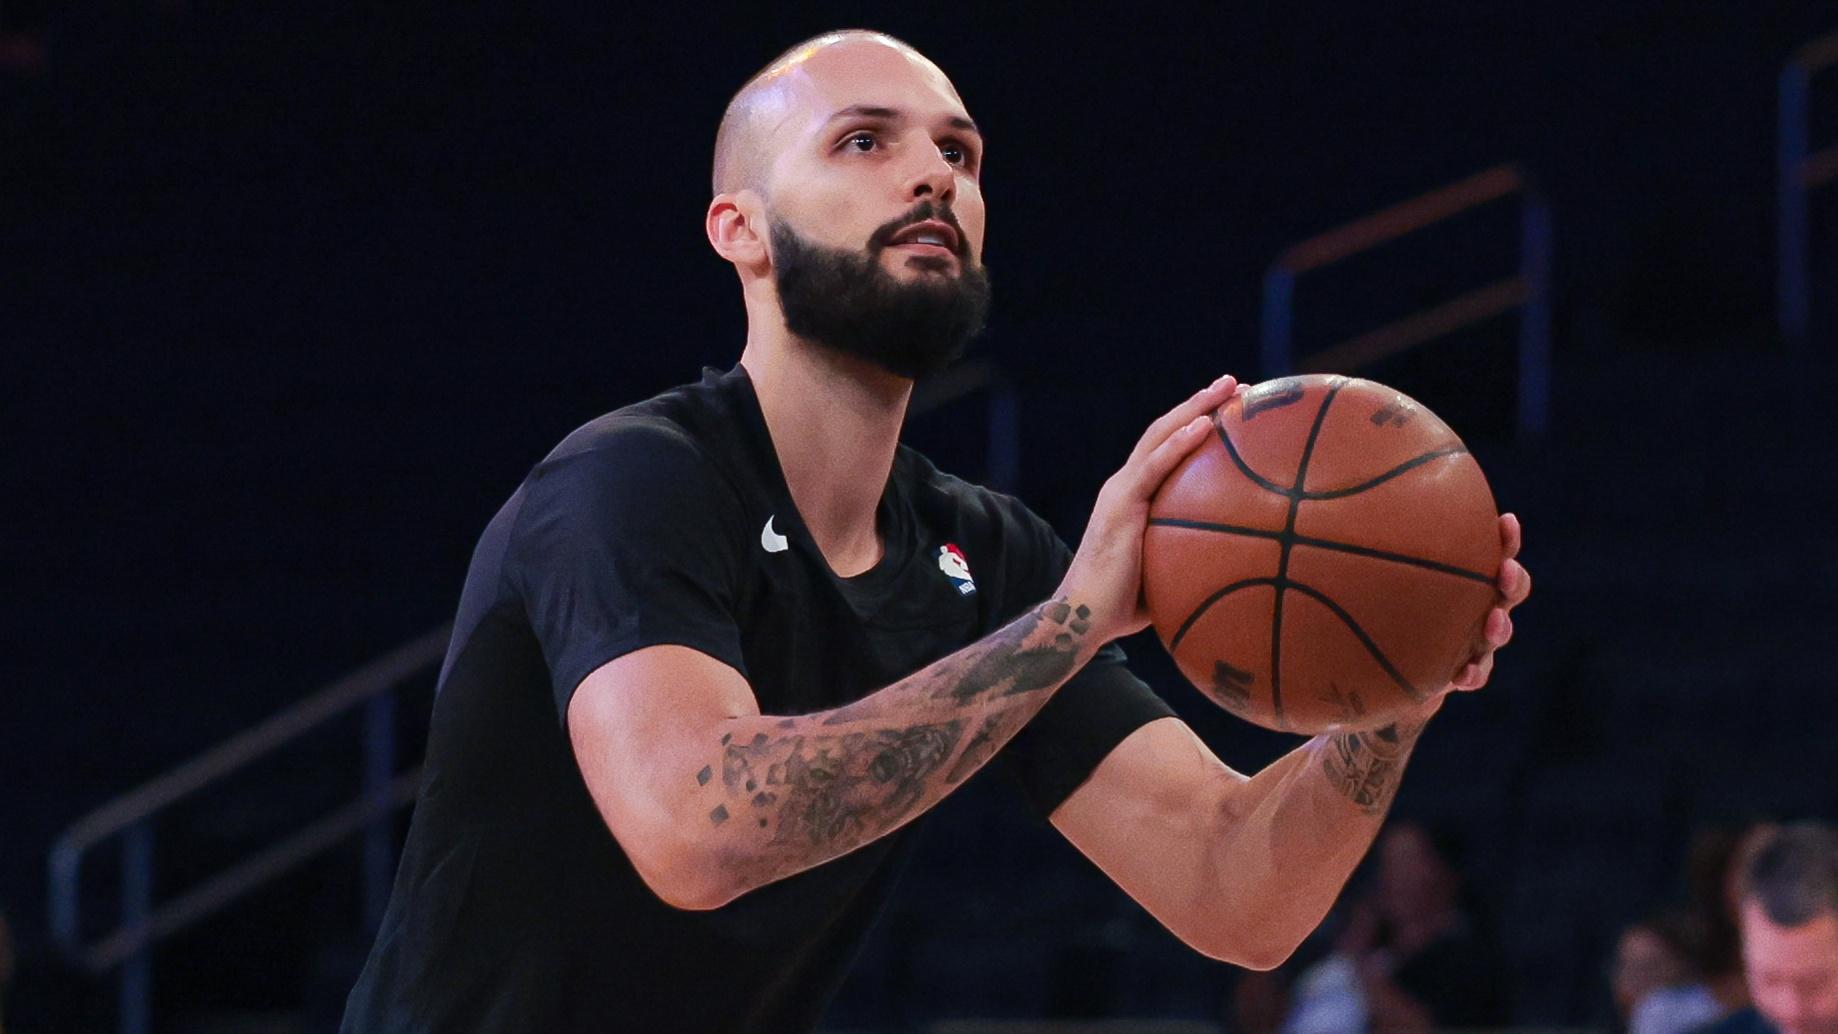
(835, 423)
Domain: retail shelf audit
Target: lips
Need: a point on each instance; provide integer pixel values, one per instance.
(931, 231)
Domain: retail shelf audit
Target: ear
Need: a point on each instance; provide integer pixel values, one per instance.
(735, 225)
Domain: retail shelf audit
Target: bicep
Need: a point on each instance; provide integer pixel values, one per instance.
(643, 726)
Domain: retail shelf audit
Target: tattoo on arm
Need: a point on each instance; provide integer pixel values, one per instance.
(1022, 668)
(1034, 652)
(851, 785)
(995, 731)
(818, 786)
(1365, 766)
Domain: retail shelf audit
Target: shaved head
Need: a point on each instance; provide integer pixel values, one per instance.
(847, 196)
(742, 143)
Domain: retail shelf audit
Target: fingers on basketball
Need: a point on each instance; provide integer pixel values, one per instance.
(1201, 403)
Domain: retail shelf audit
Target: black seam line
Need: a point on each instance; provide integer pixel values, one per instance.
(1288, 540)
(1347, 619)
(1243, 467)
(1225, 529)
(1364, 639)
(1174, 643)
(1328, 544)
(1405, 467)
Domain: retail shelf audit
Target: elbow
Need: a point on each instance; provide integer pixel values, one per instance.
(686, 876)
(1247, 940)
(1261, 957)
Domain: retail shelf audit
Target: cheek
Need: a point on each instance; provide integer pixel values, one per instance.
(970, 215)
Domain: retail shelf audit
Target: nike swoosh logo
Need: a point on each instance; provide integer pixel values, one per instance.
(771, 541)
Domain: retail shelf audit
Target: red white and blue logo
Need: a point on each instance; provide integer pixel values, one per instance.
(951, 561)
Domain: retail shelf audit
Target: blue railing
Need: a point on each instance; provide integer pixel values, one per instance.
(1528, 290)
(132, 818)
(1800, 170)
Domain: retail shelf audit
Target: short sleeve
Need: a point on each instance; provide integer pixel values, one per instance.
(624, 543)
(1095, 710)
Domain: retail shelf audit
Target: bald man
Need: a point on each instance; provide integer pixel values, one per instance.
(722, 647)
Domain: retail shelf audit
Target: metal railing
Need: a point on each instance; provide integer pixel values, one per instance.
(1528, 290)
(131, 818)
(1800, 170)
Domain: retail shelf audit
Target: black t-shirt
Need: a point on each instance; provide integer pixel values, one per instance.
(514, 909)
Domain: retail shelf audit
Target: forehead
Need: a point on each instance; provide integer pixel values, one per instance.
(1810, 946)
(861, 71)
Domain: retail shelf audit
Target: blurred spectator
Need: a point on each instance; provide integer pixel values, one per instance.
(1713, 871)
(1410, 958)
(1658, 978)
(1788, 907)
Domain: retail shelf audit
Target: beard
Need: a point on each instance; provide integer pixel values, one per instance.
(844, 301)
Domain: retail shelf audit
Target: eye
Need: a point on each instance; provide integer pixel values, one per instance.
(958, 153)
(861, 140)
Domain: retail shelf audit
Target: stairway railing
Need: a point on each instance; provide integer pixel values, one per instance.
(1800, 170)
(132, 817)
(1528, 290)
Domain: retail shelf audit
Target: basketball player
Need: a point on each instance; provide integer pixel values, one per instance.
(723, 646)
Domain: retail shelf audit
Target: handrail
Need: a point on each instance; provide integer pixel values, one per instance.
(131, 815)
(1799, 172)
(1528, 290)
(1400, 219)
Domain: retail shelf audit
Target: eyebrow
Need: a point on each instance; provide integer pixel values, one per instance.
(895, 114)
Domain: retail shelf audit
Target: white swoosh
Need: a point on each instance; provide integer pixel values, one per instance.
(771, 541)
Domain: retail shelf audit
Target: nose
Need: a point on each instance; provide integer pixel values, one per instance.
(931, 176)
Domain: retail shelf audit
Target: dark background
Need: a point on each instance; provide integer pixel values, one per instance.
(293, 296)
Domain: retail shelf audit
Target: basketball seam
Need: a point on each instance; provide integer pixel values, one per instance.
(1358, 631)
(1347, 619)
(1327, 544)
(1402, 468)
(1287, 542)
(1243, 467)
(1174, 642)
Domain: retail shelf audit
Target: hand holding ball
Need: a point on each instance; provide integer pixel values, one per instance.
(1326, 560)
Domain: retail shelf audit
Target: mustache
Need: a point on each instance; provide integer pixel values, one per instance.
(921, 212)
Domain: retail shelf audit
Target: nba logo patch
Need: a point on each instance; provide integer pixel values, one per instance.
(951, 561)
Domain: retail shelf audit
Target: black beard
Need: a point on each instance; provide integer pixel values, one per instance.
(844, 301)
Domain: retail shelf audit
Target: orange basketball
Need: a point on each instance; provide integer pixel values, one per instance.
(1325, 559)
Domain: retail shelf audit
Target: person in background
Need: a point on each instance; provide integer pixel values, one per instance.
(1788, 919)
(1713, 870)
(1410, 958)
(1658, 979)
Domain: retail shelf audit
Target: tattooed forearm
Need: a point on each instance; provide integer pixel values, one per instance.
(823, 784)
(1365, 766)
(1036, 651)
(820, 789)
(995, 731)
